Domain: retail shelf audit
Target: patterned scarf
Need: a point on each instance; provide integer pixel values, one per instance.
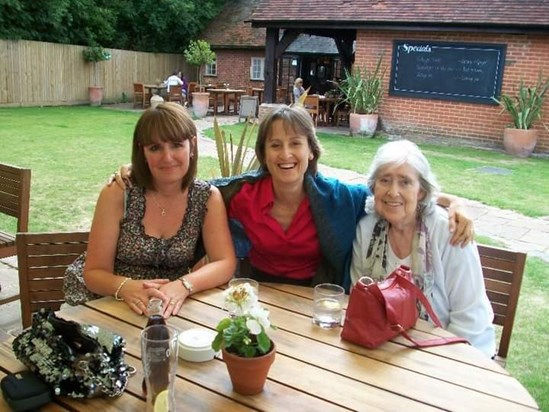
(376, 257)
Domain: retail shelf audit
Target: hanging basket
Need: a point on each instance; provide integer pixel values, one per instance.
(248, 375)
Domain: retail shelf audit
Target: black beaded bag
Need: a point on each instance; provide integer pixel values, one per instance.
(76, 360)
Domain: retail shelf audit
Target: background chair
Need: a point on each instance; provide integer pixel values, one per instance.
(141, 96)
(248, 107)
(176, 94)
(14, 201)
(312, 104)
(502, 270)
(42, 260)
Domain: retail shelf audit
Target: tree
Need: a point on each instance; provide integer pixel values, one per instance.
(141, 25)
(198, 53)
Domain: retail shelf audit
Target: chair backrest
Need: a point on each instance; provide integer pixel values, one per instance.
(502, 270)
(312, 104)
(176, 94)
(42, 259)
(281, 93)
(248, 107)
(140, 95)
(14, 201)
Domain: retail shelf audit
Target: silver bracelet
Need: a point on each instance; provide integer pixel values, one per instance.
(120, 287)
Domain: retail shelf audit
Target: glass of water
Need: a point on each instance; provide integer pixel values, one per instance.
(328, 305)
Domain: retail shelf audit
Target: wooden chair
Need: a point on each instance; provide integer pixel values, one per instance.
(281, 93)
(141, 96)
(502, 270)
(192, 87)
(312, 104)
(342, 113)
(14, 202)
(176, 94)
(43, 259)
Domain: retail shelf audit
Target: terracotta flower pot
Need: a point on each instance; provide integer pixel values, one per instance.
(201, 102)
(248, 375)
(520, 142)
(363, 124)
(96, 95)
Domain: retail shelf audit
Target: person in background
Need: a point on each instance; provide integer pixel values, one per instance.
(173, 80)
(184, 85)
(292, 223)
(145, 240)
(298, 88)
(403, 226)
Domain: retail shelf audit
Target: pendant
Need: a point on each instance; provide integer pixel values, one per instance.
(163, 213)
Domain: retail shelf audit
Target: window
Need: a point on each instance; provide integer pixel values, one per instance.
(257, 68)
(211, 69)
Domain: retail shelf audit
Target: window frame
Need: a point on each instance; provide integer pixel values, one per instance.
(261, 62)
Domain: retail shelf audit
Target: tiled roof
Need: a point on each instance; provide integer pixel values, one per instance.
(231, 28)
(305, 44)
(522, 13)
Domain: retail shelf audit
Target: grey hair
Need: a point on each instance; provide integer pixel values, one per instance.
(401, 152)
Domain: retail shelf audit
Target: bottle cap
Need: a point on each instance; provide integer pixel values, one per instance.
(195, 345)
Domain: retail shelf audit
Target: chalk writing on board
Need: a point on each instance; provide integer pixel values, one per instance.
(468, 72)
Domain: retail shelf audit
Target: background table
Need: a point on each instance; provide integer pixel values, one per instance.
(159, 89)
(314, 369)
(226, 96)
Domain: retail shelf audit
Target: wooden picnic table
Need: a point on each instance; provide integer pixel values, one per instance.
(314, 369)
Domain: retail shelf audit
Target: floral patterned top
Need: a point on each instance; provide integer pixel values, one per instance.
(140, 256)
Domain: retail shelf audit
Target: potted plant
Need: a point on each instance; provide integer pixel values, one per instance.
(524, 108)
(94, 55)
(198, 53)
(247, 350)
(232, 154)
(363, 91)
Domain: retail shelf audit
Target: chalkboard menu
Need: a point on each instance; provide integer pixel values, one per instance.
(468, 72)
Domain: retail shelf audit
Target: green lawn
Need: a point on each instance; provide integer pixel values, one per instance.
(72, 150)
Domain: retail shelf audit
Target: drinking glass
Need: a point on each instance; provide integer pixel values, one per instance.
(240, 281)
(159, 357)
(328, 305)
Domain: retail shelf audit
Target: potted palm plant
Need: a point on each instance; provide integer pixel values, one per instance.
(362, 89)
(247, 350)
(94, 55)
(525, 108)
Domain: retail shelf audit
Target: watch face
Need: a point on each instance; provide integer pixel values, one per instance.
(188, 285)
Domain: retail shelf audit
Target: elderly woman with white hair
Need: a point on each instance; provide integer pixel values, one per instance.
(404, 226)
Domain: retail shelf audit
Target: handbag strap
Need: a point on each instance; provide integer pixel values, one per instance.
(393, 320)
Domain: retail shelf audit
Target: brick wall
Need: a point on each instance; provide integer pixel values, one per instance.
(233, 67)
(426, 118)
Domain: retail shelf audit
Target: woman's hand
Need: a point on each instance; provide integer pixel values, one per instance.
(461, 226)
(174, 295)
(136, 293)
(122, 178)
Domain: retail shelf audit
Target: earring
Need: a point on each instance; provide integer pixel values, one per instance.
(192, 155)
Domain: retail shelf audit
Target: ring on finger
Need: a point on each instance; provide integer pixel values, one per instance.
(171, 303)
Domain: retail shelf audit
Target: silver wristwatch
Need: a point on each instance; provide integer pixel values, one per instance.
(187, 284)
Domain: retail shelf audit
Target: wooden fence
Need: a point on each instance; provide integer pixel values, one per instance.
(49, 74)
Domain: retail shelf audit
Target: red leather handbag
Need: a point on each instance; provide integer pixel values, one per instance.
(378, 312)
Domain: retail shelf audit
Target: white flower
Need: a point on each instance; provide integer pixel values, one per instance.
(239, 299)
(261, 315)
(253, 326)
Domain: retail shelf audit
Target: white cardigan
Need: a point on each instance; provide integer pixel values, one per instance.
(458, 295)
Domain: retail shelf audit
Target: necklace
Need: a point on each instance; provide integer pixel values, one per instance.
(162, 209)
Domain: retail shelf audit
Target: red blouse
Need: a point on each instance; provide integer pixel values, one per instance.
(294, 253)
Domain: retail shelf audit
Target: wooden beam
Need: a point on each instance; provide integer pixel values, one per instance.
(269, 94)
